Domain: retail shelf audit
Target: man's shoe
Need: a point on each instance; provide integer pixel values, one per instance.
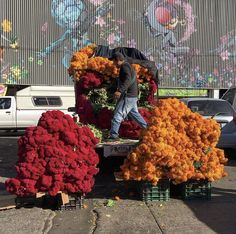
(111, 139)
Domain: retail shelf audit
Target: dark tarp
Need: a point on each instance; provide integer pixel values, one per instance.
(132, 55)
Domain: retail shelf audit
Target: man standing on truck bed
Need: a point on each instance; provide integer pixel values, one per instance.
(127, 96)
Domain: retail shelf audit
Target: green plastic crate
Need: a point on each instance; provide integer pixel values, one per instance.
(75, 202)
(160, 192)
(28, 201)
(194, 189)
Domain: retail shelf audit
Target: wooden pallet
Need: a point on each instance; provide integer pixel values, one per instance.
(7, 207)
(7, 203)
(39, 199)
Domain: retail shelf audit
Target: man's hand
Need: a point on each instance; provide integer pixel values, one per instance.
(117, 95)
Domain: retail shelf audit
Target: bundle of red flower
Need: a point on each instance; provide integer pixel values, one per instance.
(102, 119)
(130, 129)
(57, 155)
(85, 110)
(90, 80)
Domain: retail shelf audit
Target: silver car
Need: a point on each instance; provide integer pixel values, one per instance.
(218, 109)
(222, 112)
(228, 136)
(230, 96)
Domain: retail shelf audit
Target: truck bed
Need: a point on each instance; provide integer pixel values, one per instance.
(117, 148)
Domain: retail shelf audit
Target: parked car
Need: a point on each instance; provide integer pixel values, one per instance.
(228, 136)
(26, 107)
(222, 112)
(218, 109)
(230, 96)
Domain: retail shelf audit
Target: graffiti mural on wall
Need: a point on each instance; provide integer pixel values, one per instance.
(10, 73)
(74, 18)
(170, 32)
(162, 18)
(226, 51)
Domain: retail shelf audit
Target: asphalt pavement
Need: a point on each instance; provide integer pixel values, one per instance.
(127, 215)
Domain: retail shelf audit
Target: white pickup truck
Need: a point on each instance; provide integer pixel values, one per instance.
(26, 107)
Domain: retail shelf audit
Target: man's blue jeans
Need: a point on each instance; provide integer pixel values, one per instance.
(125, 106)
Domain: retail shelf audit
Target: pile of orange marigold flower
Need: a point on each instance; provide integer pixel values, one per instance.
(179, 145)
(83, 60)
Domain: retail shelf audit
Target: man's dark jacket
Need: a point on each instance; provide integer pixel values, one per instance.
(127, 81)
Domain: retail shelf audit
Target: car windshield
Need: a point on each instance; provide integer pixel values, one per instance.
(230, 95)
(211, 107)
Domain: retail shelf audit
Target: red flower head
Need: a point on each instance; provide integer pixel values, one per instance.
(28, 187)
(152, 90)
(89, 80)
(104, 118)
(12, 185)
(45, 182)
(70, 138)
(84, 109)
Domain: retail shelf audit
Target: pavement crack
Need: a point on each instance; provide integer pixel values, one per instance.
(96, 217)
(48, 223)
(158, 224)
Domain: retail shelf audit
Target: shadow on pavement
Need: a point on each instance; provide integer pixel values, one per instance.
(106, 187)
(8, 157)
(219, 213)
(11, 133)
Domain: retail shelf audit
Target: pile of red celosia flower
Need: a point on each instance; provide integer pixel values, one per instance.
(57, 155)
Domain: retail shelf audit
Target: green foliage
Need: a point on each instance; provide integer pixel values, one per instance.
(97, 132)
(98, 96)
(143, 94)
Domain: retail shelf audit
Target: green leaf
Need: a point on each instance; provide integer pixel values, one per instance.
(110, 203)
(197, 164)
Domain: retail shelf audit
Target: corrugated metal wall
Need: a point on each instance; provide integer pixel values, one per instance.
(38, 38)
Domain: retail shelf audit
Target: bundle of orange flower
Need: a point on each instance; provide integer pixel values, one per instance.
(79, 61)
(143, 75)
(103, 66)
(83, 60)
(179, 145)
(89, 50)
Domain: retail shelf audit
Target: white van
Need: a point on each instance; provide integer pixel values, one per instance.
(26, 107)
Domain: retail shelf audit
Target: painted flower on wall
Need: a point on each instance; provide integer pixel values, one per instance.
(100, 21)
(13, 43)
(44, 27)
(15, 71)
(97, 2)
(120, 21)
(224, 39)
(131, 43)
(6, 26)
(111, 38)
(224, 55)
(114, 38)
